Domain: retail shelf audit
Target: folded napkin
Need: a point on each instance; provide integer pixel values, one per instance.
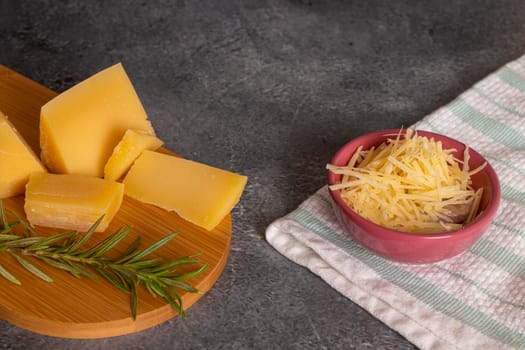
(475, 300)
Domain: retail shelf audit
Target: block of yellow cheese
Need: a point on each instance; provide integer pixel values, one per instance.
(127, 150)
(80, 127)
(198, 193)
(17, 160)
(71, 202)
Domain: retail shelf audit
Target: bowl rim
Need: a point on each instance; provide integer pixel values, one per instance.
(481, 221)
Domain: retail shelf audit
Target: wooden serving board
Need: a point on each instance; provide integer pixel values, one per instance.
(86, 308)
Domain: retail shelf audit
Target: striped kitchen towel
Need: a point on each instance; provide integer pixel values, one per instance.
(475, 300)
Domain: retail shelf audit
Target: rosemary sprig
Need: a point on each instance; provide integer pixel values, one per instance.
(66, 251)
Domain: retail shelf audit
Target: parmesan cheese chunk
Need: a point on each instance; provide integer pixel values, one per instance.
(127, 150)
(17, 160)
(410, 184)
(71, 202)
(80, 127)
(198, 193)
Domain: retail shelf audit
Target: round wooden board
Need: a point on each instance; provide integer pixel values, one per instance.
(86, 308)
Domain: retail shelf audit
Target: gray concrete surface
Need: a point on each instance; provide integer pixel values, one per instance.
(269, 89)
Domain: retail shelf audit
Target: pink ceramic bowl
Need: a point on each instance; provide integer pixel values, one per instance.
(407, 247)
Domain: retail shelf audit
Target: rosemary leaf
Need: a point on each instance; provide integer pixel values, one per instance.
(179, 301)
(60, 265)
(117, 237)
(117, 282)
(178, 284)
(190, 274)
(94, 250)
(29, 229)
(153, 247)
(144, 263)
(23, 242)
(43, 243)
(163, 293)
(77, 244)
(80, 270)
(131, 248)
(123, 281)
(148, 287)
(32, 268)
(8, 237)
(3, 217)
(9, 276)
(169, 268)
(134, 299)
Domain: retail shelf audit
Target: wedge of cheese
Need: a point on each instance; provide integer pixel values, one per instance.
(127, 150)
(198, 193)
(71, 202)
(80, 127)
(17, 160)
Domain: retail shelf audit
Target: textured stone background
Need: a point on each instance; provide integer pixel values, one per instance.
(269, 89)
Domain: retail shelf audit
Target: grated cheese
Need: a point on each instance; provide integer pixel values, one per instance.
(410, 184)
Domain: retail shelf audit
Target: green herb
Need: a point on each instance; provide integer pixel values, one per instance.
(66, 251)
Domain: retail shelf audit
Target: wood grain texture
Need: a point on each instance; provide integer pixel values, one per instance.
(85, 308)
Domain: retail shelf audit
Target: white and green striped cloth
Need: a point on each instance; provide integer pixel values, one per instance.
(475, 300)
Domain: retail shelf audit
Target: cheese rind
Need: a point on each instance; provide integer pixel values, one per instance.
(80, 127)
(133, 143)
(71, 202)
(17, 160)
(198, 193)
